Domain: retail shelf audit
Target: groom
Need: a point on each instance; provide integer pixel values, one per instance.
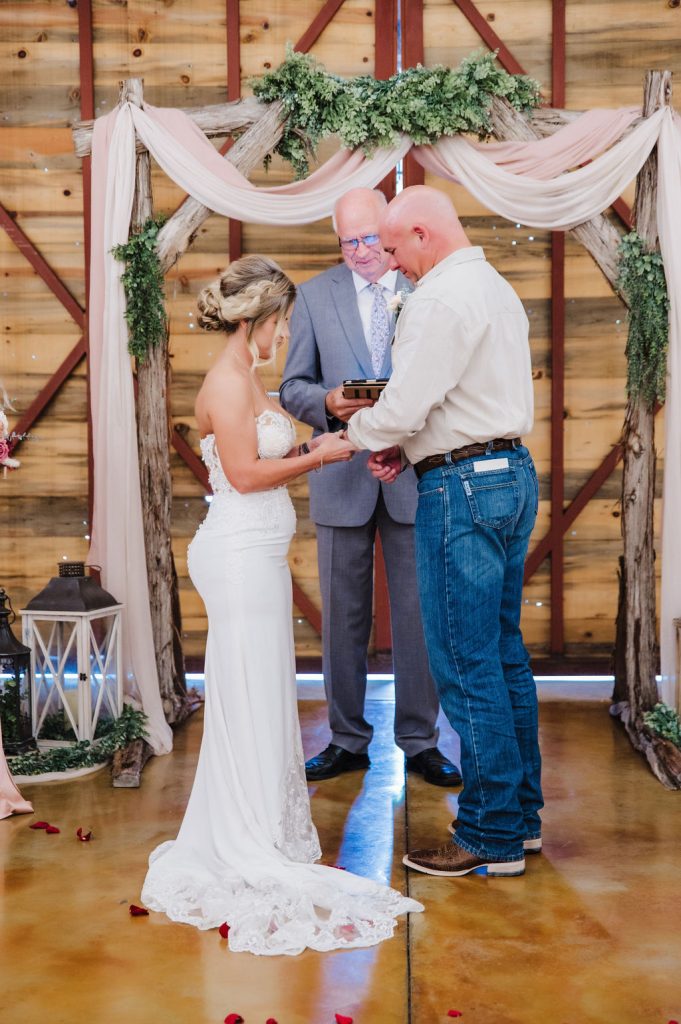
(341, 328)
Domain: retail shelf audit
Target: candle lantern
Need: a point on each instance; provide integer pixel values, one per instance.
(73, 627)
(15, 686)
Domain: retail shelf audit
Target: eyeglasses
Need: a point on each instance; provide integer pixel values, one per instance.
(352, 244)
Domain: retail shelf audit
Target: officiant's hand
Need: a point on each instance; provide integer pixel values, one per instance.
(386, 466)
(344, 408)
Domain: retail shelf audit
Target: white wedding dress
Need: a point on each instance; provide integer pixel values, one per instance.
(245, 851)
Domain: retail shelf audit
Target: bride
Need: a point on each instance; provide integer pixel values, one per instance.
(246, 848)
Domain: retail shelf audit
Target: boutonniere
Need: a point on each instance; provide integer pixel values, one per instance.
(396, 303)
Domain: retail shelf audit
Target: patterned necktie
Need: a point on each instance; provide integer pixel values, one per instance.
(379, 332)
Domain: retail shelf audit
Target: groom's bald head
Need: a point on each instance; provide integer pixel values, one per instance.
(419, 228)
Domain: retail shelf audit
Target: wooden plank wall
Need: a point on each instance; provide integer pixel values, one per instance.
(180, 49)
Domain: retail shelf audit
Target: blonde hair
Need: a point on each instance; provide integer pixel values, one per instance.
(252, 289)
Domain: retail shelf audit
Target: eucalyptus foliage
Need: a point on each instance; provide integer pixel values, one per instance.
(129, 726)
(641, 278)
(143, 283)
(423, 103)
(665, 722)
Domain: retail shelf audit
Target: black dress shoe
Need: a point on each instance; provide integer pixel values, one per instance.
(334, 761)
(434, 767)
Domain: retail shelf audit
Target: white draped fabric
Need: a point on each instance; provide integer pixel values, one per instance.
(508, 178)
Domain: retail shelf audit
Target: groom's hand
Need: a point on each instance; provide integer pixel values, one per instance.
(386, 466)
(344, 408)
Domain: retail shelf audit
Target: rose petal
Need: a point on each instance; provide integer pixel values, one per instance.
(40, 824)
(270, 1020)
(340, 1019)
(84, 837)
(234, 1018)
(224, 930)
(52, 830)
(136, 911)
(454, 1013)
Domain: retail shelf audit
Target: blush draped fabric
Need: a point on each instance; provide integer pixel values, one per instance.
(532, 183)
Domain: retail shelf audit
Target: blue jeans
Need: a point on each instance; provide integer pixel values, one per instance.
(472, 532)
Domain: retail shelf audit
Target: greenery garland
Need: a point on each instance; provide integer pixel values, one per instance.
(664, 721)
(131, 725)
(143, 283)
(641, 278)
(423, 103)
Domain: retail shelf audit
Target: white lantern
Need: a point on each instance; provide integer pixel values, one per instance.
(73, 628)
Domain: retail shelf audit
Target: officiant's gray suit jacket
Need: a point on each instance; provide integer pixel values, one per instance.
(327, 346)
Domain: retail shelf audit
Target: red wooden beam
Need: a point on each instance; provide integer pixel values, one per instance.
(577, 505)
(382, 631)
(233, 22)
(189, 456)
(87, 111)
(385, 65)
(558, 53)
(45, 396)
(41, 267)
(489, 36)
(307, 608)
(317, 26)
(412, 54)
(557, 434)
(557, 631)
(385, 39)
(623, 211)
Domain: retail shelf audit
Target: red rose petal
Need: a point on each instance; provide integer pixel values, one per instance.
(40, 824)
(52, 830)
(234, 1018)
(136, 911)
(84, 837)
(340, 1019)
(454, 1013)
(224, 930)
(270, 1020)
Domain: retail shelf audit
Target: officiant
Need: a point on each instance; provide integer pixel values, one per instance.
(341, 328)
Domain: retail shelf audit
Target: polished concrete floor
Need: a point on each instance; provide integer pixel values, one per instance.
(590, 935)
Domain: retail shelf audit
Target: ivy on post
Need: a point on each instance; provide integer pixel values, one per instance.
(641, 278)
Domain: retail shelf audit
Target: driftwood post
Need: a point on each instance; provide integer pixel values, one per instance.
(154, 482)
(637, 693)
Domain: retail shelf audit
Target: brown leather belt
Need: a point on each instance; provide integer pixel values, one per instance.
(499, 444)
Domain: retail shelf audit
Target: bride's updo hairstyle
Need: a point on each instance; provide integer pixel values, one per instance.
(252, 289)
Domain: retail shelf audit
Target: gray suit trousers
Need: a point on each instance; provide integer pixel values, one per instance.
(346, 561)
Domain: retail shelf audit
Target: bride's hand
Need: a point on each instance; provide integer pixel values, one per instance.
(333, 448)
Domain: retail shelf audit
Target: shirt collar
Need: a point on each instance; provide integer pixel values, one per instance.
(388, 281)
(467, 255)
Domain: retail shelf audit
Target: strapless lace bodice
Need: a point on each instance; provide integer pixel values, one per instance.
(276, 437)
(271, 510)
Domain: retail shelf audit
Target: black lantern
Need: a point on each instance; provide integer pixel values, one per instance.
(15, 685)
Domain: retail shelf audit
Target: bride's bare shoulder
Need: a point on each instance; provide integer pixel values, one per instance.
(224, 387)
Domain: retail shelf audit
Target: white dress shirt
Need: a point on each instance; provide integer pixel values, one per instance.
(365, 297)
(461, 365)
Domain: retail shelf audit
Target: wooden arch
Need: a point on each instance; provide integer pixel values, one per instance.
(385, 22)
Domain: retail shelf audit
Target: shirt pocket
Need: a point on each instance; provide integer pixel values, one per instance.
(493, 497)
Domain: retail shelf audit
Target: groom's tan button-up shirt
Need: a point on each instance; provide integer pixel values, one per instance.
(461, 365)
